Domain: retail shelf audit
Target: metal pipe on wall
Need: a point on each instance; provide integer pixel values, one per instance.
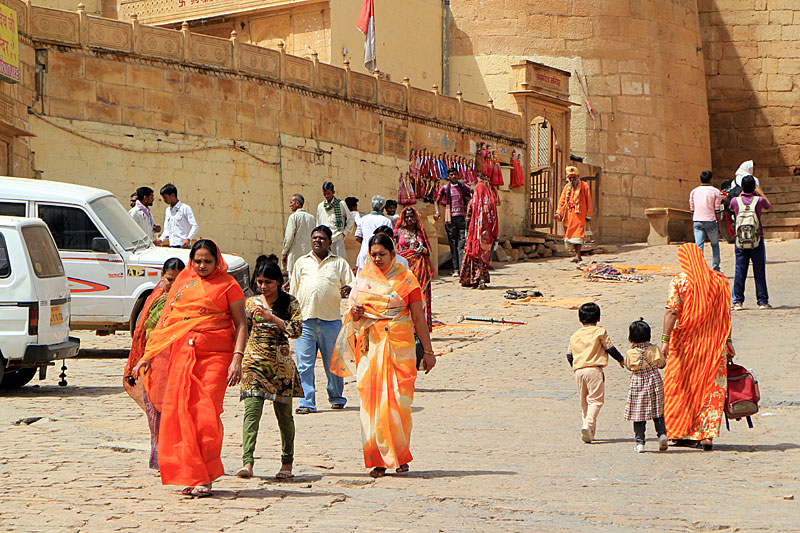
(445, 47)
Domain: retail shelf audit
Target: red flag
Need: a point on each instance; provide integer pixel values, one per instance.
(366, 24)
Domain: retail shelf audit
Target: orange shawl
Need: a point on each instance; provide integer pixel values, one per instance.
(138, 344)
(190, 307)
(696, 343)
(382, 344)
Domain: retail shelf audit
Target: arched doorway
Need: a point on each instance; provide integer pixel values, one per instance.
(545, 164)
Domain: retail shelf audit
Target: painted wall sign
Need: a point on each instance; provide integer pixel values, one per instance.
(9, 45)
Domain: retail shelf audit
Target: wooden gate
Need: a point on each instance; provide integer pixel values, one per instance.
(542, 199)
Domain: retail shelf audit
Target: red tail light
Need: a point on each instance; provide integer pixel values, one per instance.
(33, 319)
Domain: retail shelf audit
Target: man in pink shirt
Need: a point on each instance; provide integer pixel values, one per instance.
(705, 203)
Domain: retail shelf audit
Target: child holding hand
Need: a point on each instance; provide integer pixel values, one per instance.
(646, 392)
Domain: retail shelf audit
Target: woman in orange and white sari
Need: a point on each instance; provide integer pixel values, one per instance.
(697, 343)
(386, 306)
(194, 352)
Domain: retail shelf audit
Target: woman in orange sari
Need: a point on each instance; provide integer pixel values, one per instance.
(194, 352)
(148, 318)
(413, 244)
(378, 333)
(696, 340)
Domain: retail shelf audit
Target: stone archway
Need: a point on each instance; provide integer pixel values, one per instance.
(541, 94)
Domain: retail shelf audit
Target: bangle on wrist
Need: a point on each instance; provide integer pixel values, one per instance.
(664, 338)
(426, 352)
(239, 352)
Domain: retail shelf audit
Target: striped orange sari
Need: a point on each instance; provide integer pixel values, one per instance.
(695, 379)
(382, 345)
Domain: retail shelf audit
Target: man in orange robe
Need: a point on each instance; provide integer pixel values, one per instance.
(574, 210)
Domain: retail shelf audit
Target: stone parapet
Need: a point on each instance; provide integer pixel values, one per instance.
(80, 30)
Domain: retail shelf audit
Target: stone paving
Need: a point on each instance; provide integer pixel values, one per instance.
(496, 433)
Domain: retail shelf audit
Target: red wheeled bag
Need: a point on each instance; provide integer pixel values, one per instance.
(743, 395)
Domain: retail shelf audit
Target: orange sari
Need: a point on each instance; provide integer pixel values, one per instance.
(695, 379)
(137, 346)
(574, 206)
(190, 352)
(382, 345)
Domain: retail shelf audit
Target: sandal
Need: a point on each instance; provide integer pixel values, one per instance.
(377, 472)
(245, 472)
(284, 474)
(402, 469)
(201, 491)
(187, 491)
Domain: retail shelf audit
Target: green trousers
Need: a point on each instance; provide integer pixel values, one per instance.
(253, 407)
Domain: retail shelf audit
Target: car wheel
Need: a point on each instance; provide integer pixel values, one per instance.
(14, 379)
(137, 309)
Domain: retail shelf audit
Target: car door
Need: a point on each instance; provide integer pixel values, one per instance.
(96, 279)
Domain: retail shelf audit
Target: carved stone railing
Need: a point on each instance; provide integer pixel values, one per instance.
(78, 29)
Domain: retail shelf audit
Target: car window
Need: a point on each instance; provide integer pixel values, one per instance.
(12, 209)
(44, 256)
(5, 265)
(71, 227)
(127, 232)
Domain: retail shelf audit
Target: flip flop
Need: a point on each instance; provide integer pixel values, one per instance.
(244, 472)
(402, 469)
(201, 491)
(187, 491)
(377, 472)
(283, 474)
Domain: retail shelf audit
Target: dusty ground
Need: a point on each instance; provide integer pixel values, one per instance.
(496, 433)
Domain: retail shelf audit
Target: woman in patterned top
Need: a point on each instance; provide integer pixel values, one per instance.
(268, 370)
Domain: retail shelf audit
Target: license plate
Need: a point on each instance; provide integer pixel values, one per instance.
(55, 315)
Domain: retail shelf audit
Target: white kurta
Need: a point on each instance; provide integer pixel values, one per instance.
(297, 239)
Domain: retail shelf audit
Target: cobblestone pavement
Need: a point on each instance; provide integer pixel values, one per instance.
(496, 433)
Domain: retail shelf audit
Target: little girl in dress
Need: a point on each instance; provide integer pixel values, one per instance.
(646, 392)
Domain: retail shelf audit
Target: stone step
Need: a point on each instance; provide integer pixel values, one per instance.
(773, 220)
(789, 197)
(781, 234)
(787, 184)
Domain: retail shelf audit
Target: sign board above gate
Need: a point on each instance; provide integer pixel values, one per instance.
(531, 76)
(9, 45)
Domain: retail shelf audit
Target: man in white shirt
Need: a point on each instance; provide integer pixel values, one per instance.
(366, 227)
(180, 227)
(297, 238)
(334, 213)
(140, 212)
(319, 281)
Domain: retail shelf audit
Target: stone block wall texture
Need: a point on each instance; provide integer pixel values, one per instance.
(237, 128)
(752, 62)
(644, 77)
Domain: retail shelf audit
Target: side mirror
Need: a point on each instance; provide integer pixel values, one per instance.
(101, 245)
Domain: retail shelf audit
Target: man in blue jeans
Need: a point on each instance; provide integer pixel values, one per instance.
(752, 194)
(705, 203)
(319, 281)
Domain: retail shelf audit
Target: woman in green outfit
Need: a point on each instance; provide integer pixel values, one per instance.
(268, 370)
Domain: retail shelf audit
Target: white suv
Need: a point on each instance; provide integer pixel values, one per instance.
(35, 306)
(112, 266)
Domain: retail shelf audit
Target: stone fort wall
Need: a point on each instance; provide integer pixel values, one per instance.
(237, 128)
(644, 76)
(752, 62)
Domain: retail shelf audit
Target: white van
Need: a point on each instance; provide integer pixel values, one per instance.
(112, 266)
(35, 302)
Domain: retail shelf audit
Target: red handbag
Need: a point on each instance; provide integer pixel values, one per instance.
(743, 395)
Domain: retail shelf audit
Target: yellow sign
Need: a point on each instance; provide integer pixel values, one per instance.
(9, 45)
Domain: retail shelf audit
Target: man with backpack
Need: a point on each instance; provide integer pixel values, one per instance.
(747, 209)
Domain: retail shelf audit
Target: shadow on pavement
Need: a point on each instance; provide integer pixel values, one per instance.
(273, 493)
(427, 474)
(98, 353)
(444, 390)
(778, 447)
(35, 391)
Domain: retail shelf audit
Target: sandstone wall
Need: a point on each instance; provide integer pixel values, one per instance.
(236, 127)
(644, 77)
(752, 58)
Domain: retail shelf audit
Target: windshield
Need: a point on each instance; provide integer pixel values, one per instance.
(126, 232)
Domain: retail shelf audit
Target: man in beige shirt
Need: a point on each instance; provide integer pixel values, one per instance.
(589, 348)
(297, 239)
(319, 281)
